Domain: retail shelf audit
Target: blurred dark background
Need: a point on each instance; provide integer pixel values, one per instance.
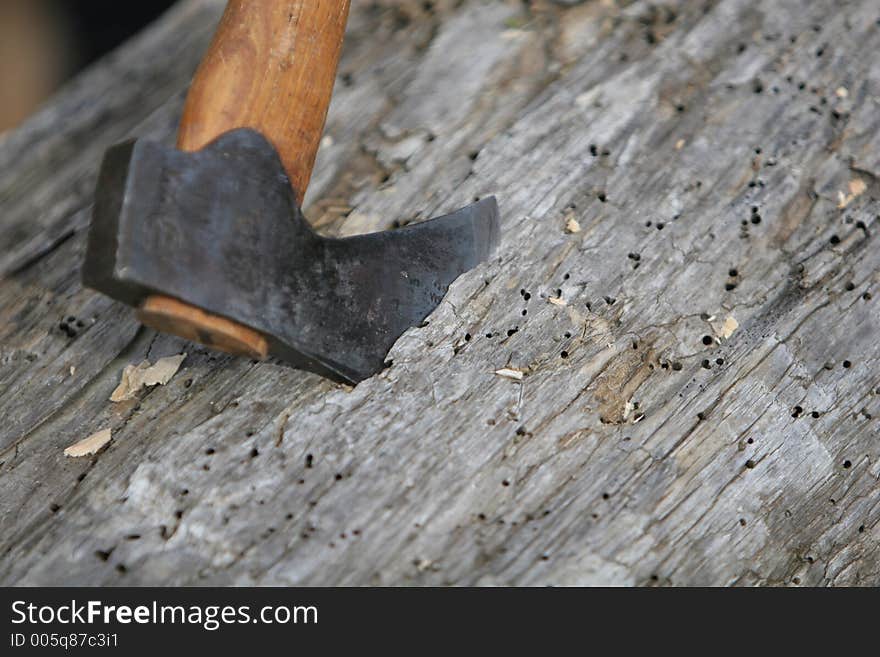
(45, 42)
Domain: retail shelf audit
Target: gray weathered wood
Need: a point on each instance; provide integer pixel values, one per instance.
(702, 147)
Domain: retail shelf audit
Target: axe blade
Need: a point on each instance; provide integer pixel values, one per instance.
(220, 229)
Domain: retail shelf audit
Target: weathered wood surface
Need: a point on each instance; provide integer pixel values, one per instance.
(702, 147)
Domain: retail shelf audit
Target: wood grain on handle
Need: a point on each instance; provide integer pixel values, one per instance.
(271, 67)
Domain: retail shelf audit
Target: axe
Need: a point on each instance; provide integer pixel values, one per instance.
(208, 242)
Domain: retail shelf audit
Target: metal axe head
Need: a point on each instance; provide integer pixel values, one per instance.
(220, 230)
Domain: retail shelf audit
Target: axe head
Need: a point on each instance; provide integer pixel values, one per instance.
(220, 230)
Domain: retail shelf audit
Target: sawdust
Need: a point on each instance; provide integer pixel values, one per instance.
(510, 373)
(572, 226)
(91, 445)
(136, 377)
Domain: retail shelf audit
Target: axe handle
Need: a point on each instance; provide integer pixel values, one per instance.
(271, 67)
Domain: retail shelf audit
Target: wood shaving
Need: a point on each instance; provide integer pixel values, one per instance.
(136, 377)
(727, 329)
(857, 187)
(557, 301)
(510, 373)
(572, 225)
(91, 445)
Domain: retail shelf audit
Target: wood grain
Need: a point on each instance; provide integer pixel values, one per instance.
(645, 456)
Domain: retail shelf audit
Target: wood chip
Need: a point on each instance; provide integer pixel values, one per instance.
(136, 377)
(584, 99)
(727, 329)
(679, 144)
(572, 225)
(423, 564)
(842, 92)
(510, 373)
(857, 187)
(91, 445)
(557, 301)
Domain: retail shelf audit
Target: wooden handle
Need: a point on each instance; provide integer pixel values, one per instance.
(271, 67)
